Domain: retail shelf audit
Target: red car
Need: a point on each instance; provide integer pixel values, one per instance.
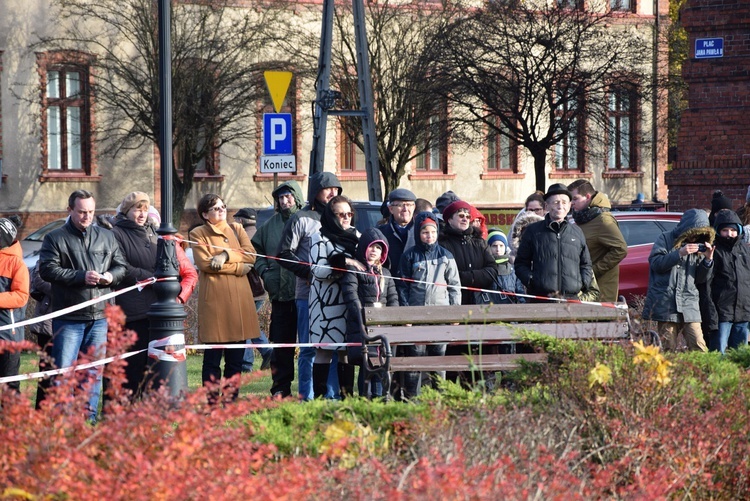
(640, 229)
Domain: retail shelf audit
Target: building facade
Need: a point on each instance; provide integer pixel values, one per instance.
(46, 150)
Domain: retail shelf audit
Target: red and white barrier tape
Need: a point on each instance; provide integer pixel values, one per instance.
(175, 350)
(410, 280)
(49, 316)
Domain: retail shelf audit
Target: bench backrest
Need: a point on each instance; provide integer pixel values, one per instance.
(495, 323)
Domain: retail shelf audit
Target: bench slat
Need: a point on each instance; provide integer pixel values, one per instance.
(497, 333)
(462, 363)
(478, 314)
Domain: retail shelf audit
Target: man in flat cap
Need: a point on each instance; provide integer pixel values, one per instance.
(398, 229)
(552, 259)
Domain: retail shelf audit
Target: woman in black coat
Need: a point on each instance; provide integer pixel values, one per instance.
(476, 266)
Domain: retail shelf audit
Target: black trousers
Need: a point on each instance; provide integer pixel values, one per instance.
(9, 365)
(211, 373)
(136, 368)
(283, 329)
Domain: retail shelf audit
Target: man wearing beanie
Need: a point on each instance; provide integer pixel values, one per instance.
(82, 262)
(591, 211)
(506, 280)
(718, 202)
(280, 283)
(553, 259)
(14, 294)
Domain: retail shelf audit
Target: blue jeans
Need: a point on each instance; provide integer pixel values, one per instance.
(732, 335)
(74, 336)
(306, 355)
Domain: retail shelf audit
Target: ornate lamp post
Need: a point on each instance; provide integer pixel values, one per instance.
(167, 315)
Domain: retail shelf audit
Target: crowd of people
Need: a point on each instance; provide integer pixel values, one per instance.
(319, 272)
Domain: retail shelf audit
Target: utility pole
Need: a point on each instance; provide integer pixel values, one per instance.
(325, 97)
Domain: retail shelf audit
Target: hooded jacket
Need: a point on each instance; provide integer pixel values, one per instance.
(730, 276)
(672, 292)
(606, 244)
(295, 242)
(277, 280)
(476, 266)
(434, 269)
(553, 259)
(66, 254)
(14, 290)
(522, 221)
(377, 286)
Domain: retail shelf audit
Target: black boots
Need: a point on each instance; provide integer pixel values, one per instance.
(320, 380)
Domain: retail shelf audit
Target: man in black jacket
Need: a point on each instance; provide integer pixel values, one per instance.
(81, 261)
(552, 259)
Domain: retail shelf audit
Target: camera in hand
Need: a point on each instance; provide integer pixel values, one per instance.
(702, 248)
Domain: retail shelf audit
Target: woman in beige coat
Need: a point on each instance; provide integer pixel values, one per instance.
(226, 310)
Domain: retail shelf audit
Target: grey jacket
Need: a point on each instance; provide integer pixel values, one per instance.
(295, 243)
(672, 292)
(434, 269)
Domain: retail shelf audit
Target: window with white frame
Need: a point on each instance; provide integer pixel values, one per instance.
(622, 119)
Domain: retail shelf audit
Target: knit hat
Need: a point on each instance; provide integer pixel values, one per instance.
(558, 189)
(445, 200)
(8, 233)
(497, 236)
(456, 206)
(719, 201)
(131, 200)
(428, 221)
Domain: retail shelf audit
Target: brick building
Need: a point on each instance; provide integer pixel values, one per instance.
(713, 145)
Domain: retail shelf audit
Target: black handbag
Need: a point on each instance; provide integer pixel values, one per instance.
(256, 283)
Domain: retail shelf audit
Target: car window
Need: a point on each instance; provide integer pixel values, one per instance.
(640, 232)
(39, 234)
(367, 217)
(668, 225)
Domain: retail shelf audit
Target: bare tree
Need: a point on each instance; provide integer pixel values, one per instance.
(219, 53)
(409, 117)
(536, 75)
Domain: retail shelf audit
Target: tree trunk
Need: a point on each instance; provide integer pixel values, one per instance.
(540, 164)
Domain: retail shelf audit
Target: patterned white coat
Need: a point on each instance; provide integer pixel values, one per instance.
(327, 306)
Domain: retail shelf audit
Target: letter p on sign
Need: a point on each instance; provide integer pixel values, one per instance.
(277, 134)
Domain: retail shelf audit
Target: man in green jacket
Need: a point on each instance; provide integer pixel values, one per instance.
(280, 284)
(591, 211)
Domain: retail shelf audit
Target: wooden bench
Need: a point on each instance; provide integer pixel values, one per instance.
(483, 326)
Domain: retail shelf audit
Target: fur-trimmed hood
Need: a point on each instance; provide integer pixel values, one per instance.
(523, 220)
(693, 228)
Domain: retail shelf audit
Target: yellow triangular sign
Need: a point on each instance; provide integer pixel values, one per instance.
(277, 83)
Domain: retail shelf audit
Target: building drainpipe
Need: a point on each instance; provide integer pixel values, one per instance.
(654, 109)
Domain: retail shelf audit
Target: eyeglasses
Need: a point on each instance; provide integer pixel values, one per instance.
(404, 205)
(463, 215)
(345, 215)
(217, 208)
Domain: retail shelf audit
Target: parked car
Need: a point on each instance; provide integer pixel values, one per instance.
(33, 242)
(640, 230)
(368, 214)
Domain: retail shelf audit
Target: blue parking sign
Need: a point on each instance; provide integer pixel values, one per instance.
(277, 133)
